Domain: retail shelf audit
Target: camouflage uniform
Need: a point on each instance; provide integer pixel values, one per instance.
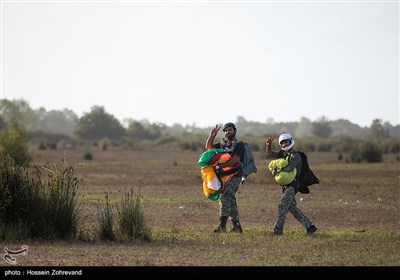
(288, 200)
(288, 204)
(228, 205)
(227, 202)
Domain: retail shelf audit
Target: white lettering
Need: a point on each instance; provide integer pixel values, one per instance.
(66, 272)
(12, 272)
(37, 272)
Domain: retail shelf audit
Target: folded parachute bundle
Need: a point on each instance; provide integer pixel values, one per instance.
(212, 184)
(206, 157)
(282, 177)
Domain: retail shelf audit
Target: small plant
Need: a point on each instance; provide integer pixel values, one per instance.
(131, 219)
(88, 156)
(106, 222)
(104, 143)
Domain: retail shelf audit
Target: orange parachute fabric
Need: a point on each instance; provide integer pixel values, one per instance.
(212, 185)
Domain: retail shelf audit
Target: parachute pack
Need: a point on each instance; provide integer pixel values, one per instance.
(249, 166)
(306, 177)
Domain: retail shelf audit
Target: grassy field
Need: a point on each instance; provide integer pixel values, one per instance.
(355, 208)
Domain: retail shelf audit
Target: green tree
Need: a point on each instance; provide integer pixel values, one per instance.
(321, 128)
(136, 130)
(57, 122)
(144, 130)
(19, 111)
(13, 142)
(303, 128)
(378, 130)
(98, 124)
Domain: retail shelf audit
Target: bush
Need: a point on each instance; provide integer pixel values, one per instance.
(354, 155)
(42, 146)
(371, 152)
(88, 156)
(13, 143)
(131, 218)
(106, 222)
(33, 205)
(61, 199)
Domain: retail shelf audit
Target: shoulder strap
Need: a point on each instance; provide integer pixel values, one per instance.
(281, 154)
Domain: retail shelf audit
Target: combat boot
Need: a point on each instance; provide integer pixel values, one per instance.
(236, 227)
(311, 230)
(222, 225)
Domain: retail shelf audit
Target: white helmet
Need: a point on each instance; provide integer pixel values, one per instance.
(284, 137)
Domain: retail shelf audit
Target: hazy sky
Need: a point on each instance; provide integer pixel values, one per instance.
(205, 62)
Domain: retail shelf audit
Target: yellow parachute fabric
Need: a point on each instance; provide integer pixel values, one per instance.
(211, 183)
(282, 177)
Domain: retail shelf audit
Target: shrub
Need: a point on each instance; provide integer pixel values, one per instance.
(32, 207)
(106, 222)
(88, 156)
(52, 146)
(42, 146)
(61, 198)
(131, 218)
(13, 142)
(354, 155)
(371, 152)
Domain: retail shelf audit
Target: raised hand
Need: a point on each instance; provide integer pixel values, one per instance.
(214, 131)
(269, 140)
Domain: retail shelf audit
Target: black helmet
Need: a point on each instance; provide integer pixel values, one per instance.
(229, 124)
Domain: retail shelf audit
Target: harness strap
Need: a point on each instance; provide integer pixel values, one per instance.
(234, 169)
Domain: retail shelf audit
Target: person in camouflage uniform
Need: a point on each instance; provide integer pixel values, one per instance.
(288, 200)
(227, 202)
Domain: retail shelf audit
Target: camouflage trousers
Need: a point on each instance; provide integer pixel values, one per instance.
(288, 204)
(227, 202)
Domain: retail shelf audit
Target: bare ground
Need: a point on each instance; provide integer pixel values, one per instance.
(355, 198)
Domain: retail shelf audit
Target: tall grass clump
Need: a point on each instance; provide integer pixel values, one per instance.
(61, 198)
(106, 221)
(35, 206)
(12, 201)
(131, 217)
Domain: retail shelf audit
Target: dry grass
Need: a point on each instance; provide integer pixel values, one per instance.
(355, 209)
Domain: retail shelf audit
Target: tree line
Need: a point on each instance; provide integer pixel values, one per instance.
(98, 124)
